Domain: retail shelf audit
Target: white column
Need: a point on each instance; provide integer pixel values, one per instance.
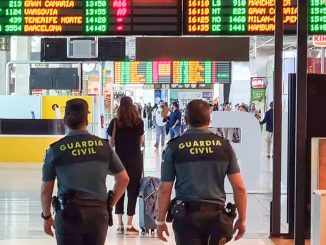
(4, 58)
(22, 70)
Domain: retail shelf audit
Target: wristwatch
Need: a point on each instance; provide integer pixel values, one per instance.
(46, 217)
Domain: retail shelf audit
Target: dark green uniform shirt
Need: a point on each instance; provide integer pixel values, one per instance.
(199, 161)
(81, 161)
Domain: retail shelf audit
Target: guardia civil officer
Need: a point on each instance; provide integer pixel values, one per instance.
(199, 161)
(80, 162)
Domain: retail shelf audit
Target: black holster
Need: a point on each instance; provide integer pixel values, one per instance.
(67, 204)
(109, 207)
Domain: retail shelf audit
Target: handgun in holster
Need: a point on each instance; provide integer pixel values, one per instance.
(55, 204)
(109, 207)
(67, 204)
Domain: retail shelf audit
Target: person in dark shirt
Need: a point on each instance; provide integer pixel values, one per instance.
(175, 121)
(80, 163)
(268, 119)
(198, 162)
(127, 134)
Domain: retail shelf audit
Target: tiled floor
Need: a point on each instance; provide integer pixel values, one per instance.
(20, 221)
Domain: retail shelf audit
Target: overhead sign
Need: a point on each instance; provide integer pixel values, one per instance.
(201, 72)
(149, 17)
(258, 82)
(90, 17)
(4, 44)
(247, 17)
(319, 40)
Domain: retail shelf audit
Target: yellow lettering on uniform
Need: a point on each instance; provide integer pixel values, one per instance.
(181, 146)
(100, 143)
(195, 143)
(84, 143)
(62, 148)
(92, 151)
(202, 143)
(83, 151)
(192, 151)
(218, 143)
(77, 145)
(209, 150)
(70, 146)
(208, 143)
(90, 143)
(201, 150)
(74, 153)
(188, 144)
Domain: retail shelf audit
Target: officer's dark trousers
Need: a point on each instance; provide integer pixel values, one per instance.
(195, 228)
(90, 229)
(134, 167)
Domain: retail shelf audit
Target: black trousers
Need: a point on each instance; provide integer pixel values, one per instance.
(134, 168)
(198, 228)
(89, 229)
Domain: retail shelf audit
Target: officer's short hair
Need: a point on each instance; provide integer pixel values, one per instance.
(76, 112)
(197, 113)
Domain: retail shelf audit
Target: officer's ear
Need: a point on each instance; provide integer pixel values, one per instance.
(86, 121)
(64, 121)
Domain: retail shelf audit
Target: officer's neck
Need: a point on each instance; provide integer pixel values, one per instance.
(81, 129)
(201, 127)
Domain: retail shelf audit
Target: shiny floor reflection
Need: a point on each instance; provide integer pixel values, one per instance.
(20, 221)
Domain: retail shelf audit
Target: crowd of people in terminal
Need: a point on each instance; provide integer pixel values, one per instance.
(196, 159)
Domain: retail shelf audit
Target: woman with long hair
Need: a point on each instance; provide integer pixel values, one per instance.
(127, 134)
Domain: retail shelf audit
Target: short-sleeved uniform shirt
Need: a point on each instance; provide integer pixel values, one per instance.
(80, 162)
(199, 161)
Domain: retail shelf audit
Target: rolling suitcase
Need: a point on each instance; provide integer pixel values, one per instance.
(148, 204)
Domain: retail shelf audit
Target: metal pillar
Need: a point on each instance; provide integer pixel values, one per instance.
(301, 123)
(322, 60)
(277, 141)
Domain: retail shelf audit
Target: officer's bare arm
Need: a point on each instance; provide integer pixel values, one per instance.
(164, 196)
(121, 182)
(240, 194)
(142, 140)
(46, 196)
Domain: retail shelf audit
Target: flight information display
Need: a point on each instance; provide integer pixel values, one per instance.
(247, 17)
(126, 72)
(162, 71)
(201, 72)
(90, 17)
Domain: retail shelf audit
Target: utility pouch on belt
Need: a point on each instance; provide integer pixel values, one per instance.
(177, 211)
(222, 231)
(110, 196)
(67, 203)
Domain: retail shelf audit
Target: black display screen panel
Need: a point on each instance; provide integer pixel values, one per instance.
(90, 17)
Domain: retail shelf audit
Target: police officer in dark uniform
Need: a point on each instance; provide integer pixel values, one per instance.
(199, 161)
(80, 162)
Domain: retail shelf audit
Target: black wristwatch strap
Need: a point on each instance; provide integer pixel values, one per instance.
(46, 217)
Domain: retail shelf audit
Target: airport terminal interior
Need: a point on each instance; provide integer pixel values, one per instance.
(223, 52)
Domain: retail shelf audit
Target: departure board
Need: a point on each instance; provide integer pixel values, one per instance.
(317, 17)
(247, 17)
(201, 72)
(90, 17)
(162, 72)
(126, 72)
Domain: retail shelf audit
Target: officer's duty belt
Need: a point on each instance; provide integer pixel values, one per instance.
(196, 206)
(89, 202)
